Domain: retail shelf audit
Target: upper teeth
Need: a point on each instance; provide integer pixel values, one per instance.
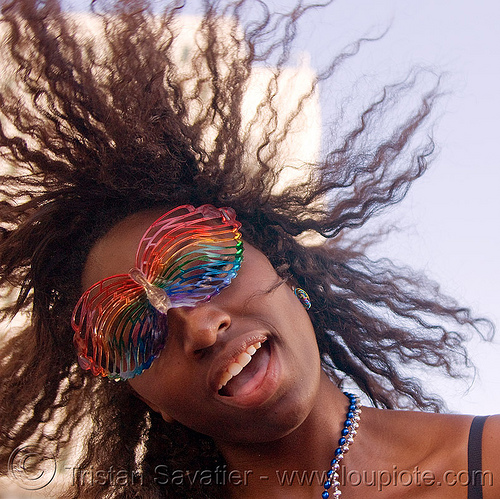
(237, 366)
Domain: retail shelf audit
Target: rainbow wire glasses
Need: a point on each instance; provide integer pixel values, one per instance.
(187, 256)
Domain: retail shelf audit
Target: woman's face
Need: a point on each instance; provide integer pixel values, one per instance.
(208, 344)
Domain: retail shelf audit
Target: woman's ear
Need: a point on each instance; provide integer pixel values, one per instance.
(166, 417)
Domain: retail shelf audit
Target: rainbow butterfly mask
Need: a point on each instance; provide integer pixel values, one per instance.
(184, 258)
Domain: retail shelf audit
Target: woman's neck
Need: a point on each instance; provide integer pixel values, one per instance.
(295, 464)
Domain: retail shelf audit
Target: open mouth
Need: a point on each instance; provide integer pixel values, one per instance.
(247, 371)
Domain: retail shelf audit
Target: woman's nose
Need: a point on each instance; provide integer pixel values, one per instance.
(198, 327)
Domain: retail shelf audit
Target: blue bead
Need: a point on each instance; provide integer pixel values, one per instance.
(346, 430)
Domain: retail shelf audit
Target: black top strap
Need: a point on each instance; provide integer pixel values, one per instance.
(474, 456)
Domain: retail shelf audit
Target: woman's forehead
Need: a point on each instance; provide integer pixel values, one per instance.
(114, 253)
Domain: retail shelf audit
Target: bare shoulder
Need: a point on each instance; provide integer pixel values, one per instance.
(430, 447)
(491, 435)
(436, 440)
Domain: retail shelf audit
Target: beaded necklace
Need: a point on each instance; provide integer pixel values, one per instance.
(349, 431)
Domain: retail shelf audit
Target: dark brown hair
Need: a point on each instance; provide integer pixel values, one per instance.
(92, 131)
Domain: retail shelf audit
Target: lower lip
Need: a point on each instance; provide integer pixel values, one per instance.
(261, 393)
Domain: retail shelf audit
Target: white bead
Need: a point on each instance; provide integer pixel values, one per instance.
(336, 493)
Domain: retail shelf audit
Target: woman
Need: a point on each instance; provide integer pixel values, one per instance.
(141, 218)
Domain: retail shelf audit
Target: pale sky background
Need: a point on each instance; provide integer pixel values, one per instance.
(451, 215)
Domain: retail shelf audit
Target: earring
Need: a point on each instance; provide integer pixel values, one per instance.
(303, 297)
